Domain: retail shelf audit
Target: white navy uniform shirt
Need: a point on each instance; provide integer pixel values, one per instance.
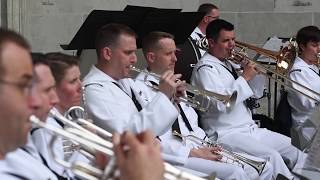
(308, 76)
(113, 109)
(196, 35)
(211, 74)
(25, 163)
(171, 145)
(176, 151)
(41, 139)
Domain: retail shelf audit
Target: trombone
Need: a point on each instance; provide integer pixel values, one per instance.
(90, 172)
(284, 60)
(234, 157)
(197, 98)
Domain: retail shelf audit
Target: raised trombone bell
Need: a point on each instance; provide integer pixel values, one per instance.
(199, 99)
(284, 59)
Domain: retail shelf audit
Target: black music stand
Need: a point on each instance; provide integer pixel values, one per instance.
(141, 19)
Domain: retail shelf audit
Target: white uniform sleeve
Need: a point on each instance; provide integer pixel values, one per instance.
(209, 79)
(117, 115)
(41, 138)
(302, 102)
(176, 149)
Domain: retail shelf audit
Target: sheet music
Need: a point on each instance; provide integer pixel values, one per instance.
(274, 44)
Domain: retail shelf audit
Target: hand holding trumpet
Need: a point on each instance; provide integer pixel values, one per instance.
(209, 153)
(170, 84)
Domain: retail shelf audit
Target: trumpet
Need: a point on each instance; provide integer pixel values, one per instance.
(228, 154)
(55, 114)
(90, 172)
(76, 115)
(75, 112)
(284, 60)
(197, 98)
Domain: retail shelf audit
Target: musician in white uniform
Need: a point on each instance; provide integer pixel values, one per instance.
(305, 71)
(112, 100)
(211, 12)
(16, 103)
(59, 79)
(159, 50)
(236, 127)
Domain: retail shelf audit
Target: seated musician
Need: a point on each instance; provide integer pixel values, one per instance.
(305, 71)
(159, 50)
(60, 92)
(112, 100)
(18, 101)
(236, 127)
(211, 12)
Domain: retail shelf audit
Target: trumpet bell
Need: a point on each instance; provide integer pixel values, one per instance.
(75, 112)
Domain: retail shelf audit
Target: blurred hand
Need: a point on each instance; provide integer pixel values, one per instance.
(249, 71)
(209, 153)
(169, 83)
(138, 157)
(101, 160)
(180, 91)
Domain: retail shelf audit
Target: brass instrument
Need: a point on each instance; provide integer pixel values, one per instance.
(232, 156)
(284, 60)
(74, 116)
(55, 114)
(75, 112)
(90, 172)
(197, 98)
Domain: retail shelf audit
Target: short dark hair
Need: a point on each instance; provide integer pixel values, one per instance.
(7, 36)
(150, 41)
(207, 8)
(215, 26)
(59, 63)
(308, 34)
(109, 34)
(38, 58)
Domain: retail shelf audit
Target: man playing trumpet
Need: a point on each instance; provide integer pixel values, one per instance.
(159, 50)
(112, 100)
